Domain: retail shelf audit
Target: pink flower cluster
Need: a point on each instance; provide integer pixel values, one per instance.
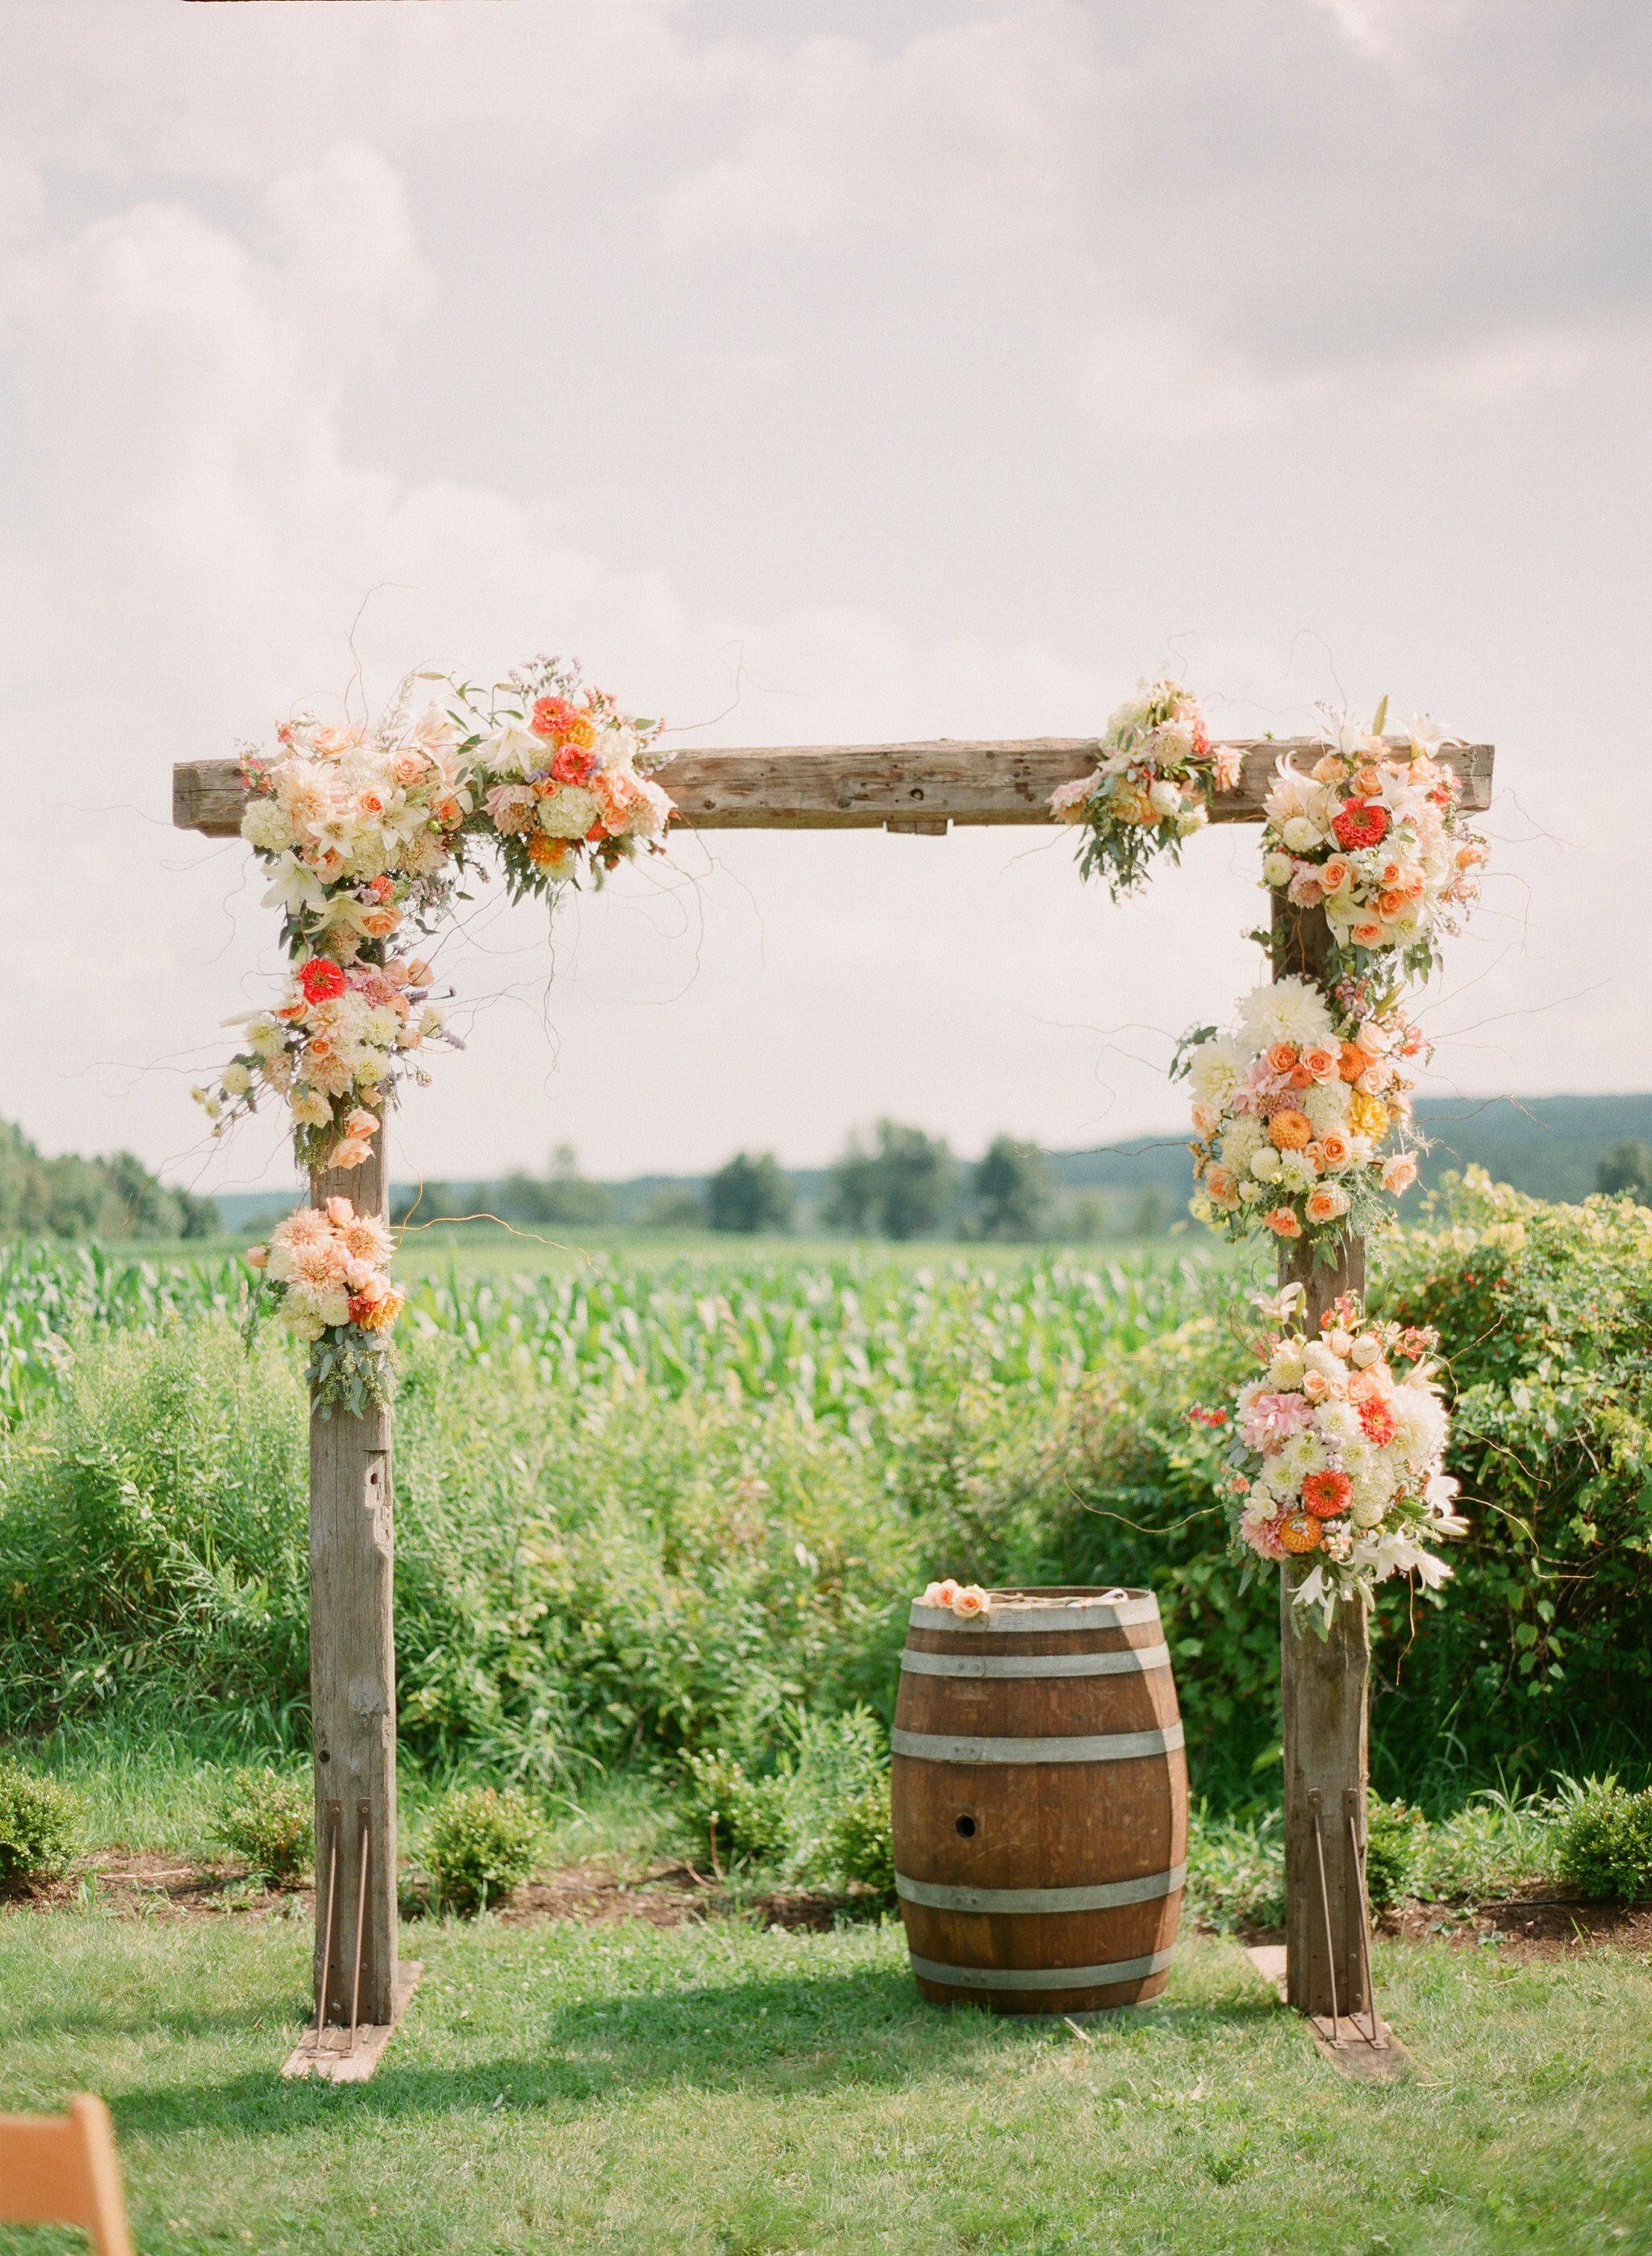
(1338, 1454)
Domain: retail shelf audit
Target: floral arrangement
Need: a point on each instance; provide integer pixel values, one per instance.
(1150, 790)
(1373, 836)
(967, 1600)
(326, 1270)
(1337, 1453)
(365, 834)
(1293, 1111)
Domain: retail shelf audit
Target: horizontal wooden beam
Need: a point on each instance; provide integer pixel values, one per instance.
(911, 787)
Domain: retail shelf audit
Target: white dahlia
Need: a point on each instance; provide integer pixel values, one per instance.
(1285, 1011)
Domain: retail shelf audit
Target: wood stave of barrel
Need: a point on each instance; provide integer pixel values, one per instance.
(1012, 1860)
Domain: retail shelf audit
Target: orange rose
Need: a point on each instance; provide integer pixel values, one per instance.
(1393, 902)
(1290, 1131)
(1334, 874)
(1321, 1061)
(1222, 1187)
(1333, 1150)
(1282, 1057)
(1284, 1224)
(1367, 780)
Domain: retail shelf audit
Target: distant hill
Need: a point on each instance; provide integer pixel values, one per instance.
(1546, 1145)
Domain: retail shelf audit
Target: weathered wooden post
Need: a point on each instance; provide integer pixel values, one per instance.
(352, 1685)
(1324, 1682)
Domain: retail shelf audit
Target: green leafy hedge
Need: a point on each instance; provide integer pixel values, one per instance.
(594, 1573)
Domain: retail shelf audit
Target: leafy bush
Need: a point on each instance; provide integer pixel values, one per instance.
(36, 1826)
(821, 1817)
(1236, 1870)
(736, 1819)
(1395, 1834)
(639, 1520)
(1603, 1845)
(482, 1845)
(267, 1819)
(863, 1845)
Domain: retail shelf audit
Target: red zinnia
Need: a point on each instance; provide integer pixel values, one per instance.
(1326, 1494)
(551, 716)
(1376, 1420)
(1361, 822)
(320, 979)
(572, 766)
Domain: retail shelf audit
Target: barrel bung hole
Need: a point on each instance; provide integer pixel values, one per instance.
(967, 1827)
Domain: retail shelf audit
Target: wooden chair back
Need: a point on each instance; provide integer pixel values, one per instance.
(61, 2169)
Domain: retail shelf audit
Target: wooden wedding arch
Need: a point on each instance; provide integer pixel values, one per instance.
(920, 789)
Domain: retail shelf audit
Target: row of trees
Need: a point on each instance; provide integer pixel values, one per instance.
(901, 1182)
(896, 1183)
(72, 1197)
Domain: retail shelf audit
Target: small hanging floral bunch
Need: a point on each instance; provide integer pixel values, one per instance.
(967, 1600)
(326, 1269)
(330, 1049)
(566, 777)
(1152, 788)
(1292, 1109)
(1373, 836)
(1339, 1453)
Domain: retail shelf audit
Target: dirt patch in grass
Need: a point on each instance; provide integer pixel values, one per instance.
(149, 1885)
(1526, 1927)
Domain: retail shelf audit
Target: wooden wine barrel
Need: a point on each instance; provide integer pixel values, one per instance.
(1040, 1802)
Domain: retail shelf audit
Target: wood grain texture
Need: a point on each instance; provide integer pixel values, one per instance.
(352, 1670)
(920, 786)
(1034, 1825)
(1325, 1683)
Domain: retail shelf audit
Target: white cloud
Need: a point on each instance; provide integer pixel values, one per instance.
(934, 382)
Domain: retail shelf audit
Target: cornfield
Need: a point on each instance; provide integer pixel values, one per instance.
(835, 1339)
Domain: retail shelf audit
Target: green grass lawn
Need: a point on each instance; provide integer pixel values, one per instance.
(722, 2089)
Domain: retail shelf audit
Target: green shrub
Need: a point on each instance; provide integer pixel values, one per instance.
(736, 1819)
(482, 1845)
(1494, 1844)
(1603, 1845)
(1235, 1870)
(863, 1847)
(1394, 1839)
(36, 1826)
(820, 1817)
(267, 1819)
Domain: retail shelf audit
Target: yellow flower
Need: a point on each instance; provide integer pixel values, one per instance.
(1368, 1115)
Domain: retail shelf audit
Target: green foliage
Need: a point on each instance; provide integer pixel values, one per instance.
(645, 1512)
(903, 1185)
(820, 1815)
(72, 1197)
(1395, 1834)
(267, 1820)
(1627, 1171)
(1604, 1842)
(751, 1193)
(736, 1819)
(862, 1843)
(1236, 1870)
(1541, 1649)
(482, 1843)
(1011, 1187)
(352, 1371)
(36, 1826)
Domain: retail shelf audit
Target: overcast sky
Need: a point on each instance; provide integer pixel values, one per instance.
(816, 372)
